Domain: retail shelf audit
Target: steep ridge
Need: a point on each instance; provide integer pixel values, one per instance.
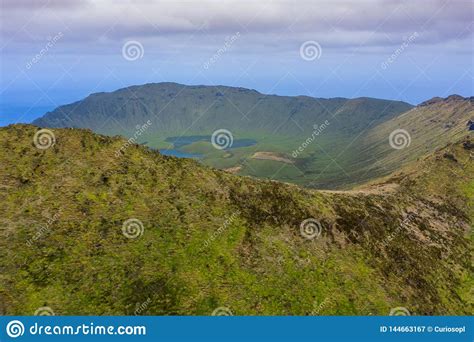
(407, 137)
(320, 143)
(276, 125)
(202, 238)
(177, 109)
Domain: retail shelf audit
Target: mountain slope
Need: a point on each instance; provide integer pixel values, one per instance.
(407, 137)
(211, 239)
(176, 109)
(274, 125)
(319, 143)
(335, 160)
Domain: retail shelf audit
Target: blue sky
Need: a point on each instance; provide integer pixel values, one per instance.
(59, 51)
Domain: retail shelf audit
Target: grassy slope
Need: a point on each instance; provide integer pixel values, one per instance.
(336, 160)
(278, 123)
(353, 149)
(365, 262)
(176, 109)
(430, 125)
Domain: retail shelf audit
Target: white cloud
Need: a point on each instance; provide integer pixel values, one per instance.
(335, 24)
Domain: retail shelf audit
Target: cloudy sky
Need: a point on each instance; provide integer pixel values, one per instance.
(59, 51)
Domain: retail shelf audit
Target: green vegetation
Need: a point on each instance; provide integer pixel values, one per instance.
(212, 239)
(279, 124)
(351, 149)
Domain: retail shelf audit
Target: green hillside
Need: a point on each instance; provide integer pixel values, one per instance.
(87, 230)
(416, 133)
(276, 124)
(176, 109)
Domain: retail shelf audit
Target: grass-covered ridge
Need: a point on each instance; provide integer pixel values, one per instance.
(212, 239)
(334, 143)
(279, 124)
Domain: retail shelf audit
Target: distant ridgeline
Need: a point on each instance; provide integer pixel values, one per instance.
(353, 148)
(176, 110)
